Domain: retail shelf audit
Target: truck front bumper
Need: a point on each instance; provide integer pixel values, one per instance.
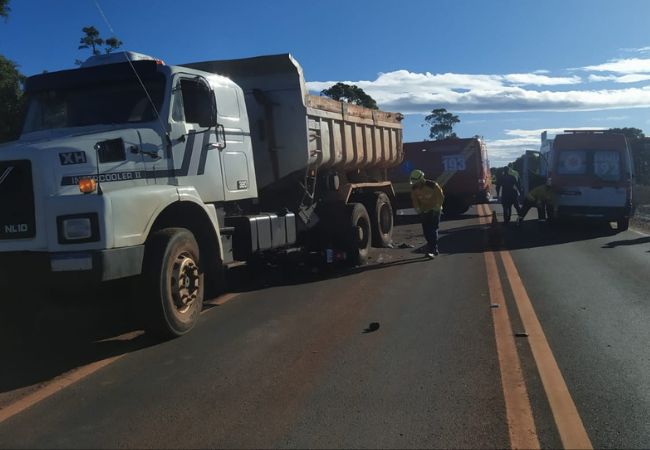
(83, 266)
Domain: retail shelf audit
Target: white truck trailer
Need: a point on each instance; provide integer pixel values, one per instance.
(128, 167)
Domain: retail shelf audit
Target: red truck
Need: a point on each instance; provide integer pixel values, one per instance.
(460, 166)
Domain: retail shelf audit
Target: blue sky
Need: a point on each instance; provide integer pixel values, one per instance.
(509, 69)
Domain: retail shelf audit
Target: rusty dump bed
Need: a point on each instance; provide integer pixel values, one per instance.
(293, 131)
(349, 137)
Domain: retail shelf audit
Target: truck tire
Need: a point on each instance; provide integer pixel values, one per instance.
(623, 224)
(358, 235)
(380, 211)
(173, 283)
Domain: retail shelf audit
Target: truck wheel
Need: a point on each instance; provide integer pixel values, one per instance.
(380, 211)
(623, 224)
(359, 236)
(173, 283)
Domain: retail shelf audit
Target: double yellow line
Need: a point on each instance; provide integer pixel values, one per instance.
(521, 424)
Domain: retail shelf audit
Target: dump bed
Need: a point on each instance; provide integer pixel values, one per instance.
(293, 131)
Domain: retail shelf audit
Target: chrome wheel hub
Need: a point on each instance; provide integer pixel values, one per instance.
(185, 282)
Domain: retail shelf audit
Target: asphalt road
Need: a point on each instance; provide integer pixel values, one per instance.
(287, 359)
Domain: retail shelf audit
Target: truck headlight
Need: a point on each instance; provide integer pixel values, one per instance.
(78, 228)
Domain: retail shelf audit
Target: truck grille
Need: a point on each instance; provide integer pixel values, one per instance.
(16, 200)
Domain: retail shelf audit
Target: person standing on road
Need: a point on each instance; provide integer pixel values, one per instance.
(427, 197)
(508, 189)
(544, 198)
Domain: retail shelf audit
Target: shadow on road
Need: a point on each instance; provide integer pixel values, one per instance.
(43, 338)
(625, 242)
(51, 333)
(533, 234)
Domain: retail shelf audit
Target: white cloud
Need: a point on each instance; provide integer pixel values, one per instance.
(417, 93)
(539, 80)
(633, 78)
(624, 66)
(637, 50)
(629, 78)
(596, 78)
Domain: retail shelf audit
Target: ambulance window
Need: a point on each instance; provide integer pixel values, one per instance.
(572, 162)
(607, 165)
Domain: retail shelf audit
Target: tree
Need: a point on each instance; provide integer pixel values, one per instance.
(640, 149)
(4, 9)
(112, 43)
(12, 102)
(441, 124)
(350, 94)
(91, 40)
(630, 133)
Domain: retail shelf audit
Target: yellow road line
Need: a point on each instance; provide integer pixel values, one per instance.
(54, 386)
(519, 415)
(569, 424)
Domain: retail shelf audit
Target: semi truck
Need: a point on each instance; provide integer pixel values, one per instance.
(460, 166)
(128, 168)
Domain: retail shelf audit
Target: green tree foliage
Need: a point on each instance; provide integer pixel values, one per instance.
(640, 147)
(441, 124)
(4, 9)
(630, 133)
(112, 43)
(12, 102)
(350, 94)
(93, 41)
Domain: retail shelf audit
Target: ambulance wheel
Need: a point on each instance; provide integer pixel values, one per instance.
(173, 283)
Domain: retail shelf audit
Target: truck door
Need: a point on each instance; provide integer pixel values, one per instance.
(235, 145)
(194, 159)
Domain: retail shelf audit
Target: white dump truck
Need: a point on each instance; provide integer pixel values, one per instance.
(128, 167)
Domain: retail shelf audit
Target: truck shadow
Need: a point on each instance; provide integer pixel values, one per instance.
(52, 334)
(532, 234)
(458, 240)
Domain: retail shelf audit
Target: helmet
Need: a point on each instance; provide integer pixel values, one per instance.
(416, 175)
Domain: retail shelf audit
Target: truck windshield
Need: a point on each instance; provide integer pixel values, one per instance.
(106, 103)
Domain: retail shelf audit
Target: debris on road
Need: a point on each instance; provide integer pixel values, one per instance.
(374, 326)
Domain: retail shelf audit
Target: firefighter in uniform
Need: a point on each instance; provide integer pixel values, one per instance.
(427, 197)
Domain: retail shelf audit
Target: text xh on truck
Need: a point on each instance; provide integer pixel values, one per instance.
(460, 166)
(127, 167)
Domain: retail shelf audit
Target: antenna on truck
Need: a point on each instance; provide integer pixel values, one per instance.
(144, 88)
